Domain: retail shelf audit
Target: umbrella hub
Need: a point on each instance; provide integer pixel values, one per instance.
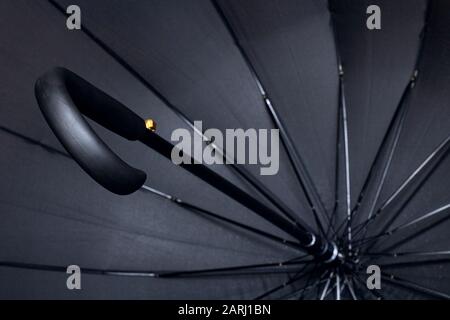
(335, 255)
(329, 253)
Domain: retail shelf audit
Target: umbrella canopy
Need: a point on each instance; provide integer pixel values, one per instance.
(364, 122)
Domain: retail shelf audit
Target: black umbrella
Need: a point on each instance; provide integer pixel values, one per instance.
(364, 126)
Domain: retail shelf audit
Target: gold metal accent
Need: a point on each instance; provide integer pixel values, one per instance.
(150, 125)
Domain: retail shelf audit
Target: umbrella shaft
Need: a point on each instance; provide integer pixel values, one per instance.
(316, 246)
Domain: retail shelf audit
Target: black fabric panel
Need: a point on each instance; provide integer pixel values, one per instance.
(377, 66)
(184, 51)
(290, 44)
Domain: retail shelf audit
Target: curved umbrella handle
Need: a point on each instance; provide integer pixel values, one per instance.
(63, 97)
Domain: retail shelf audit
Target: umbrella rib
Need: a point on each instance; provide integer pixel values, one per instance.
(302, 290)
(333, 219)
(330, 290)
(343, 117)
(221, 272)
(56, 268)
(409, 254)
(338, 286)
(422, 218)
(194, 208)
(416, 233)
(233, 270)
(297, 291)
(301, 173)
(308, 280)
(178, 201)
(327, 284)
(241, 171)
(342, 122)
(298, 277)
(423, 165)
(355, 288)
(440, 153)
(350, 287)
(414, 286)
(34, 142)
(393, 231)
(320, 281)
(414, 263)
